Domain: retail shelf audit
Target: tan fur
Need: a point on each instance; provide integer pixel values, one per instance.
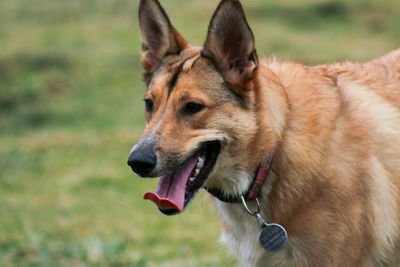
(336, 180)
(335, 130)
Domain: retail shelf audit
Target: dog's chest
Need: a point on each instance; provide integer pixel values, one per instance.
(240, 233)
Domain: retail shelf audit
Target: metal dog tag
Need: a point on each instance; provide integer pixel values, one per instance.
(273, 237)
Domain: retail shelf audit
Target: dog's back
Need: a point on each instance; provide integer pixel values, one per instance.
(381, 75)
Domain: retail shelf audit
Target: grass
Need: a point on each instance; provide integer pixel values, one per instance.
(71, 109)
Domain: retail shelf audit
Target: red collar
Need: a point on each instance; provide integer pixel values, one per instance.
(255, 187)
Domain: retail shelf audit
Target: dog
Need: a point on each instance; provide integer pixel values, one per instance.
(325, 141)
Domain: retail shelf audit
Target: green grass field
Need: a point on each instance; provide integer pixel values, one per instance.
(71, 109)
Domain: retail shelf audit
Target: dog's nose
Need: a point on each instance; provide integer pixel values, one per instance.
(142, 162)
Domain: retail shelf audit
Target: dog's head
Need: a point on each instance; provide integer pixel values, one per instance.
(199, 105)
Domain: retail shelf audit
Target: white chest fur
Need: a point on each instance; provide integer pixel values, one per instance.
(241, 235)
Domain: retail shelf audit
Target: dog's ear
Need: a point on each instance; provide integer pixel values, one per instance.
(230, 43)
(159, 37)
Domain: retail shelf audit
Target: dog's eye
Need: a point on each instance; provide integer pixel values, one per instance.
(192, 108)
(149, 105)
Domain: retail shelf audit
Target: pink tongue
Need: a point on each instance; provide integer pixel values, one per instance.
(170, 192)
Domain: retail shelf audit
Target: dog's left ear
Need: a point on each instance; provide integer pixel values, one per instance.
(230, 43)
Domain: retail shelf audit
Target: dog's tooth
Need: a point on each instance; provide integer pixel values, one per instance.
(200, 163)
(196, 172)
(201, 160)
(191, 179)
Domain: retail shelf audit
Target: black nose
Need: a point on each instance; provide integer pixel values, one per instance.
(142, 162)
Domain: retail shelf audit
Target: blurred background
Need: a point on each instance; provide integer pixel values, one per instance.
(71, 108)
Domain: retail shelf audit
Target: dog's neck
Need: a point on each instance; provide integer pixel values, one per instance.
(275, 99)
(253, 192)
(278, 93)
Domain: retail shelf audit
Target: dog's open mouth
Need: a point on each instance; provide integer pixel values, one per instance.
(177, 189)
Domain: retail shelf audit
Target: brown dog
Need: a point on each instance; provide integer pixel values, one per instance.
(215, 113)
